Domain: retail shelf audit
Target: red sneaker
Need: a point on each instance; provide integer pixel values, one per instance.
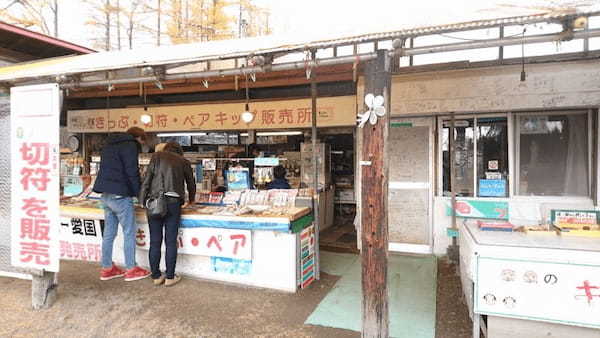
(136, 273)
(112, 272)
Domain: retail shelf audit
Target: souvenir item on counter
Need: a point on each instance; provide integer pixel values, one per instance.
(282, 197)
(215, 198)
(263, 175)
(232, 197)
(202, 197)
(254, 197)
(238, 179)
(209, 164)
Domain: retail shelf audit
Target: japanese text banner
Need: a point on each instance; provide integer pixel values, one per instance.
(35, 112)
(331, 112)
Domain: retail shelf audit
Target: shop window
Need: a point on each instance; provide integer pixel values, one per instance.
(492, 157)
(553, 154)
(489, 164)
(463, 157)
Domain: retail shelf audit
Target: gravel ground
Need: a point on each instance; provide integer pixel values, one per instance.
(87, 306)
(452, 317)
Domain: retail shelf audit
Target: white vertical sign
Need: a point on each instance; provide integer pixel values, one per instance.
(35, 180)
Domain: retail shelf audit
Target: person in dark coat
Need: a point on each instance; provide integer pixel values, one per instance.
(167, 172)
(279, 182)
(118, 181)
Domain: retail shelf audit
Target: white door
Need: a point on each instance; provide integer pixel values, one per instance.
(410, 173)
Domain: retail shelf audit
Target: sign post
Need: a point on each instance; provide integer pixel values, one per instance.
(35, 186)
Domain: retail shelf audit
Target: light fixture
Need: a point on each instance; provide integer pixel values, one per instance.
(145, 118)
(147, 71)
(274, 133)
(580, 22)
(247, 115)
(180, 134)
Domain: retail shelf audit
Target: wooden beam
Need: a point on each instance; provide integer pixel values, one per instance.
(374, 205)
(14, 56)
(196, 86)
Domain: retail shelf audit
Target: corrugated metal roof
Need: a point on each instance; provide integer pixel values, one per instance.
(227, 49)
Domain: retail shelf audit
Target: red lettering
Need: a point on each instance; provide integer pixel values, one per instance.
(124, 122)
(221, 117)
(36, 229)
(35, 153)
(286, 116)
(34, 207)
(37, 177)
(35, 251)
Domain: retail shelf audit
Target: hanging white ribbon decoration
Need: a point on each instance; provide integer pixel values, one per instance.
(376, 109)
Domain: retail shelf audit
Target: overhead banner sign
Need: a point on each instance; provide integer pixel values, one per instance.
(35, 186)
(331, 112)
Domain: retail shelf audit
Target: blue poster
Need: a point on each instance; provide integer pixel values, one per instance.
(492, 188)
(237, 179)
(231, 266)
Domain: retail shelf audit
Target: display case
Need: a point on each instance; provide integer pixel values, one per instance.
(323, 152)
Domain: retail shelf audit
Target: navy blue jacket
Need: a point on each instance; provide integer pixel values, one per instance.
(278, 183)
(119, 168)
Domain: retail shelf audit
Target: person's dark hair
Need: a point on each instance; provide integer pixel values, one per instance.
(137, 132)
(220, 189)
(279, 172)
(252, 148)
(173, 147)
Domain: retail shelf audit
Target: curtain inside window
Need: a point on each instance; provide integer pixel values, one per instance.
(576, 169)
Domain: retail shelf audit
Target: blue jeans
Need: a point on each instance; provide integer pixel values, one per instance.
(170, 224)
(118, 209)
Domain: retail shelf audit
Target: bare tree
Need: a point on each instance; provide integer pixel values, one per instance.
(34, 14)
(100, 18)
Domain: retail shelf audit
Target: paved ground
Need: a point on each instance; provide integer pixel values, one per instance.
(88, 307)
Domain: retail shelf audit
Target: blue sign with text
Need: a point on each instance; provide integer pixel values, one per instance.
(492, 188)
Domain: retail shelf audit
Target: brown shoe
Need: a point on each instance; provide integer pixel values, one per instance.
(159, 280)
(171, 282)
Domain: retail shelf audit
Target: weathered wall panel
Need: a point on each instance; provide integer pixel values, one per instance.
(552, 85)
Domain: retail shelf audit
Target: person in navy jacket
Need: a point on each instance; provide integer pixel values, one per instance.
(119, 181)
(279, 182)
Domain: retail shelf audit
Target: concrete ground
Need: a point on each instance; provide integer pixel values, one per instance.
(87, 306)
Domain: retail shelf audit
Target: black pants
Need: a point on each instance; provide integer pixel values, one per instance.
(170, 224)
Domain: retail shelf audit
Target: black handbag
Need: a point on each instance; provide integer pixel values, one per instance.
(157, 206)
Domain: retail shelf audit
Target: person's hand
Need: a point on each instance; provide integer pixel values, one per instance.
(186, 205)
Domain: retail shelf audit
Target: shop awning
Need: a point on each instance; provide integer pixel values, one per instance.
(230, 49)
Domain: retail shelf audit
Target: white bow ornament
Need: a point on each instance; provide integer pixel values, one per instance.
(376, 109)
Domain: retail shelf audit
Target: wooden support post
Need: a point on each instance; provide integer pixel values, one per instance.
(43, 290)
(374, 204)
(452, 251)
(317, 199)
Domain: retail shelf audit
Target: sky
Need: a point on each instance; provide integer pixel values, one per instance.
(323, 17)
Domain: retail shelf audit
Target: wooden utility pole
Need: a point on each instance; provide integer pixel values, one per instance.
(374, 203)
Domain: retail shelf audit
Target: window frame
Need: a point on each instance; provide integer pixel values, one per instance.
(517, 145)
(475, 117)
(514, 158)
